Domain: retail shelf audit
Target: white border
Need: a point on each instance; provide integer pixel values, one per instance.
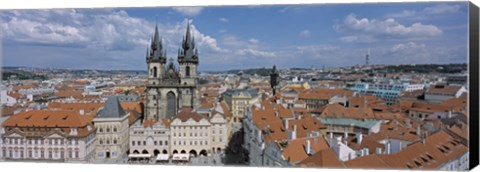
(42, 4)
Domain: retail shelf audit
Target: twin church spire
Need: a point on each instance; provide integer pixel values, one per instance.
(187, 53)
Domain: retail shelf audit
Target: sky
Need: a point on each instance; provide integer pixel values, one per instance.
(239, 37)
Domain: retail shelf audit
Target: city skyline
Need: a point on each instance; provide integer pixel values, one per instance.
(286, 36)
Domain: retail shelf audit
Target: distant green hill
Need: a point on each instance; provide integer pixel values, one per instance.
(21, 75)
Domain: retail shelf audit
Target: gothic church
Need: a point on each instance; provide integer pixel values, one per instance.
(168, 88)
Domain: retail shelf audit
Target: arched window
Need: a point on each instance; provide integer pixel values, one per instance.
(187, 72)
(154, 71)
(171, 104)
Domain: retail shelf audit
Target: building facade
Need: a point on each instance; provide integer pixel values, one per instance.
(48, 135)
(150, 138)
(112, 131)
(239, 100)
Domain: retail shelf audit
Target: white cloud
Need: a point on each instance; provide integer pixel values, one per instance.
(256, 53)
(223, 19)
(442, 8)
(390, 27)
(427, 13)
(407, 46)
(188, 11)
(403, 14)
(95, 29)
(305, 33)
(253, 41)
(358, 39)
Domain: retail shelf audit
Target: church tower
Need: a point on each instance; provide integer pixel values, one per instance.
(156, 63)
(274, 79)
(188, 62)
(169, 87)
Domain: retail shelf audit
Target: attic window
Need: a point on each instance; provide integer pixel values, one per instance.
(453, 143)
(446, 147)
(424, 159)
(65, 117)
(430, 157)
(45, 118)
(441, 150)
(417, 163)
(409, 166)
(28, 117)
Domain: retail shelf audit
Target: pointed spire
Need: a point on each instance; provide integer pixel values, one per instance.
(193, 42)
(147, 53)
(156, 35)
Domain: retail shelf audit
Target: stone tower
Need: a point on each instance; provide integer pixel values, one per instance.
(274, 79)
(188, 62)
(170, 88)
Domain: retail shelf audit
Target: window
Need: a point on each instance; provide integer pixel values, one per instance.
(154, 71)
(187, 72)
(30, 155)
(10, 153)
(160, 143)
(100, 130)
(101, 141)
(174, 143)
(42, 154)
(50, 155)
(114, 129)
(70, 154)
(139, 143)
(76, 154)
(166, 143)
(191, 143)
(62, 154)
(114, 141)
(108, 141)
(108, 130)
(133, 143)
(155, 143)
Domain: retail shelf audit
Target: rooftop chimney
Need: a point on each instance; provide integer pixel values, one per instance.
(418, 130)
(378, 151)
(82, 111)
(387, 148)
(308, 148)
(359, 138)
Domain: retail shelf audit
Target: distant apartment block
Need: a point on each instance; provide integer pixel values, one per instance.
(387, 92)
